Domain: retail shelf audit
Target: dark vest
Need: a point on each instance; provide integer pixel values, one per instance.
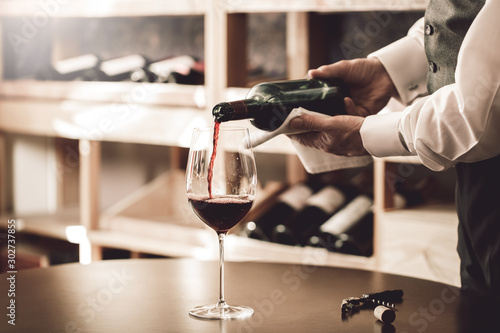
(478, 184)
(446, 23)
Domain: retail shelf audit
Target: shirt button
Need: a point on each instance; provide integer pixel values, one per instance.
(429, 29)
(433, 67)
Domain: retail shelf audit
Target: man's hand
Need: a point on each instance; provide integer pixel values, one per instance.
(337, 135)
(371, 87)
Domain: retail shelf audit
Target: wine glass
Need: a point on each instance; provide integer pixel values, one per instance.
(221, 181)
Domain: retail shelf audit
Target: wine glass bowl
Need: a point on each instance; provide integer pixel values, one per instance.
(221, 182)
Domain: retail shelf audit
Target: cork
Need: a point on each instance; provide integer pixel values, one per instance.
(384, 314)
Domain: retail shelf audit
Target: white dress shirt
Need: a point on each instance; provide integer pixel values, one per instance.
(459, 122)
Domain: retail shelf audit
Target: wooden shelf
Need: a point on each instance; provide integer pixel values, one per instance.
(328, 6)
(101, 121)
(160, 114)
(158, 220)
(109, 92)
(99, 8)
(242, 248)
(173, 240)
(441, 213)
(176, 240)
(400, 159)
(123, 8)
(47, 225)
(237, 249)
(119, 122)
(161, 94)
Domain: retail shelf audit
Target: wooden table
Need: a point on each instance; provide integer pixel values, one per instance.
(155, 295)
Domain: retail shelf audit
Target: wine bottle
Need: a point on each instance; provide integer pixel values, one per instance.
(192, 77)
(357, 240)
(350, 230)
(120, 69)
(269, 104)
(84, 68)
(287, 204)
(318, 208)
(142, 75)
(163, 68)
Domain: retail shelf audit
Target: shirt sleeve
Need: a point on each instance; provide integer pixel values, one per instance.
(410, 80)
(459, 122)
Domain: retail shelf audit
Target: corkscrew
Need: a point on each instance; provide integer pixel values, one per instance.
(387, 298)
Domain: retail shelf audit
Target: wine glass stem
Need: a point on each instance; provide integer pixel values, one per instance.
(222, 302)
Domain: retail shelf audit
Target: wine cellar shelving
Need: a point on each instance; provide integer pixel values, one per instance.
(164, 114)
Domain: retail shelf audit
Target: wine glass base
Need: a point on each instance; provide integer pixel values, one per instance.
(226, 312)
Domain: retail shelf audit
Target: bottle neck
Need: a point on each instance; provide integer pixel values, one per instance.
(236, 110)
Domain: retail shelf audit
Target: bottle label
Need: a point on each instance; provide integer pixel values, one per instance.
(350, 214)
(399, 201)
(75, 64)
(124, 64)
(329, 199)
(296, 196)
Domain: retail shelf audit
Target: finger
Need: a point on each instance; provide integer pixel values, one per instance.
(308, 122)
(307, 139)
(323, 72)
(317, 73)
(338, 69)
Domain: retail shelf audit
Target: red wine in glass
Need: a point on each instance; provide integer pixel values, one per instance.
(220, 213)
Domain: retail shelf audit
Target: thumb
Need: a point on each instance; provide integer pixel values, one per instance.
(308, 122)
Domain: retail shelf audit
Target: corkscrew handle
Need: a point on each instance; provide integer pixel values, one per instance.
(387, 298)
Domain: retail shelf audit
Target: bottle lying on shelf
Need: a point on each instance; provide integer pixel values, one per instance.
(350, 230)
(181, 70)
(269, 104)
(122, 68)
(82, 68)
(287, 204)
(317, 209)
(142, 75)
(192, 77)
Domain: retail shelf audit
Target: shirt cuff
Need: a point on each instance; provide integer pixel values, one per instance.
(406, 63)
(380, 135)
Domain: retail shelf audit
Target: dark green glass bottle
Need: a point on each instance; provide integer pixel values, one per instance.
(269, 104)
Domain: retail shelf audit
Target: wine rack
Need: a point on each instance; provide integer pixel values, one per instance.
(165, 116)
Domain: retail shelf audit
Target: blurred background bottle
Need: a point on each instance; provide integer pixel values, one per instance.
(181, 70)
(348, 231)
(287, 204)
(317, 209)
(122, 68)
(81, 68)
